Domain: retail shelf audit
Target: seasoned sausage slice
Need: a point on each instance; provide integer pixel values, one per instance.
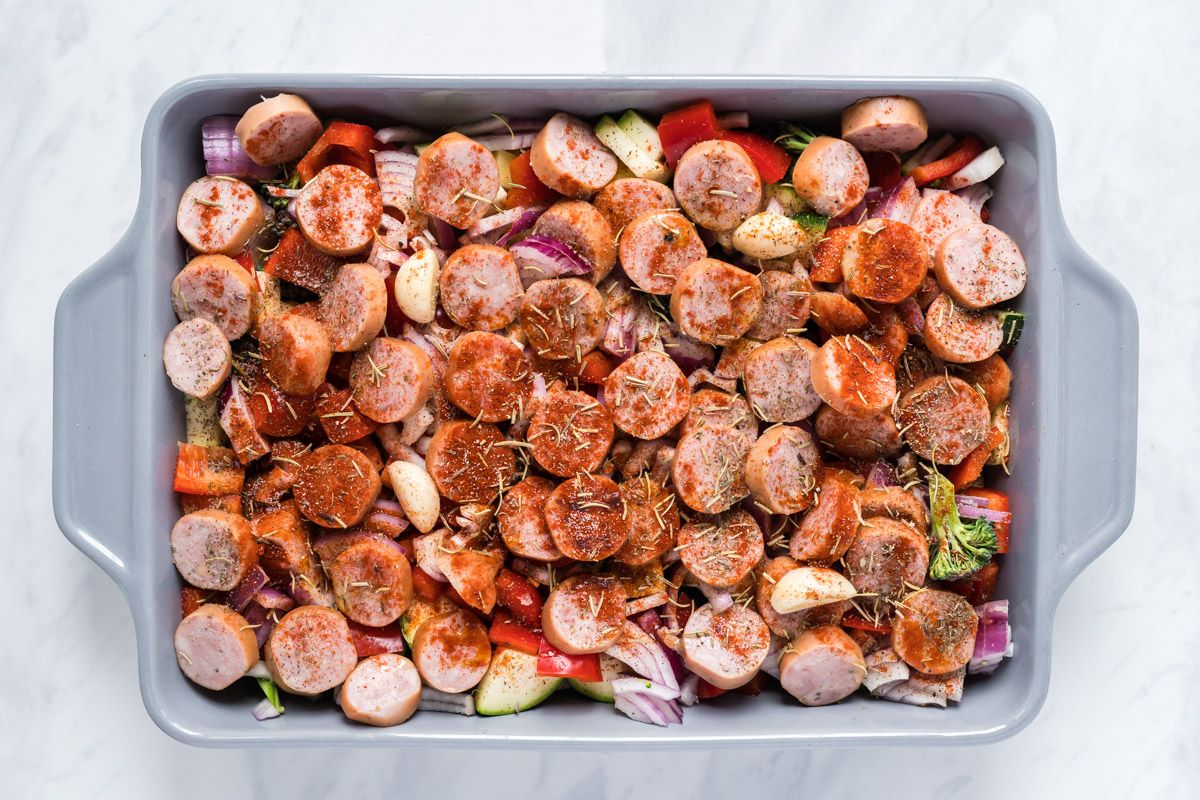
(939, 214)
(836, 314)
(383, 690)
(310, 650)
(336, 486)
(339, 210)
(567, 157)
(991, 376)
(892, 502)
(213, 549)
(715, 302)
(959, 335)
(721, 550)
(887, 558)
(625, 199)
(943, 419)
(864, 437)
(216, 288)
(577, 224)
(890, 124)
(296, 351)
(980, 266)
(391, 379)
(481, 287)
(215, 646)
(778, 380)
(563, 318)
(727, 648)
(521, 519)
(570, 433)
(372, 582)
(782, 468)
(830, 176)
(718, 410)
(655, 247)
(354, 307)
(821, 666)
(717, 184)
(708, 471)
(452, 651)
(785, 306)
(219, 214)
(457, 180)
(853, 377)
(584, 614)
(647, 394)
(469, 462)
(934, 631)
(197, 358)
(278, 130)
(829, 527)
(584, 518)
(488, 377)
(884, 261)
(826, 259)
(651, 520)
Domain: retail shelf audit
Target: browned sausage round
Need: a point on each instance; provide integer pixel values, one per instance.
(939, 214)
(828, 528)
(991, 376)
(721, 550)
(570, 433)
(892, 502)
(830, 176)
(336, 486)
(584, 614)
(715, 409)
(372, 582)
(891, 124)
(887, 332)
(979, 266)
(339, 210)
(943, 419)
(197, 358)
(310, 650)
(278, 130)
(887, 558)
(727, 648)
(215, 646)
(563, 318)
(217, 289)
(625, 199)
(481, 287)
(213, 549)
(853, 377)
(717, 184)
(822, 666)
(656, 247)
(577, 224)
(521, 519)
(567, 157)
(452, 651)
(825, 261)
(468, 462)
(835, 314)
(651, 520)
(584, 518)
(383, 690)
(354, 306)
(647, 394)
(959, 335)
(782, 468)
(708, 471)
(391, 379)
(864, 437)
(884, 261)
(778, 380)
(296, 351)
(785, 306)
(934, 631)
(219, 214)
(457, 180)
(488, 377)
(715, 302)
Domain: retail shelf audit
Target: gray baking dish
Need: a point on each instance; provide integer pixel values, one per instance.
(117, 418)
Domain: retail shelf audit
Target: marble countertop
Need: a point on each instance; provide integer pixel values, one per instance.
(1122, 715)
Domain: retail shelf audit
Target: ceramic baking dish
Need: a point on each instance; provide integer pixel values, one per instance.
(117, 418)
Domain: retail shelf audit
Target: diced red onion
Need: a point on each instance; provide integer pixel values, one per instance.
(523, 223)
(969, 510)
(732, 120)
(927, 153)
(544, 257)
(506, 141)
(241, 595)
(911, 315)
(689, 689)
(405, 134)
(395, 171)
(898, 203)
(271, 598)
(881, 476)
(642, 653)
(265, 711)
(630, 685)
(982, 167)
(307, 593)
(647, 708)
(223, 153)
(651, 623)
(263, 620)
(993, 640)
(443, 233)
(496, 221)
(416, 337)
(648, 603)
(386, 517)
(689, 354)
(976, 195)
(495, 124)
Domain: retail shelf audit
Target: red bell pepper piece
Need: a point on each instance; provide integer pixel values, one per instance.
(512, 634)
(706, 691)
(678, 130)
(424, 586)
(553, 663)
(967, 471)
(207, 470)
(996, 501)
(771, 160)
(246, 259)
(970, 147)
(980, 587)
(853, 620)
(370, 641)
(526, 189)
(520, 597)
(296, 261)
(341, 143)
(883, 169)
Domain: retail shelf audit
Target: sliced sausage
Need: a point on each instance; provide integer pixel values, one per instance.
(218, 289)
(959, 335)
(826, 258)
(889, 124)
(339, 210)
(584, 614)
(821, 666)
(865, 437)
(278, 130)
(779, 382)
(830, 176)
(655, 247)
(992, 377)
(887, 558)
(943, 419)
(567, 157)
(197, 358)
(782, 468)
(213, 549)
(651, 521)
(219, 214)
(934, 631)
(570, 433)
(452, 651)
(715, 302)
(383, 690)
(563, 318)
(980, 266)
(310, 650)
(647, 394)
(884, 261)
(287, 555)
(785, 306)
(892, 502)
(625, 199)
(215, 646)
(836, 314)
(717, 184)
(468, 462)
(481, 287)
(717, 410)
(853, 377)
(354, 307)
(733, 358)
(721, 550)
(296, 351)
(392, 379)
(584, 518)
(708, 471)
(336, 486)
(457, 180)
(887, 332)
(915, 365)
(725, 648)
(939, 214)
(828, 528)
(488, 377)
(372, 582)
(577, 224)
(521, 519)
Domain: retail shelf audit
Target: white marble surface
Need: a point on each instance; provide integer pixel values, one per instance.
(1122, 716)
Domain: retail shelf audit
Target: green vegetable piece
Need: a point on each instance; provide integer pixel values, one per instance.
(795, 137)
(813, 224)
(272, 692)
(958, 549)
(1012, 323)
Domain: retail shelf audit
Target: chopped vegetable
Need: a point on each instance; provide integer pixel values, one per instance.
(970, 147)
(771, 160)
(506, 632)
(272, 696)
(520, 597)
(795, 138)
(341, 143)
(967, 471)
(993, 642)
(207, 470)
(553, 663)
(958, 549)
(223, 153)
(978, 588)
(680, 129)
(525, 188)
(631, 152)
(982, 167)
(1011, 323)
(545, 257)
(997, 501)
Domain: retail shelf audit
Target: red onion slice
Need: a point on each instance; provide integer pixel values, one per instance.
(506, 141)
(241, 595)
(732, 120)
(647, 708)
(223, 153)
(993, 641)
(541, 257)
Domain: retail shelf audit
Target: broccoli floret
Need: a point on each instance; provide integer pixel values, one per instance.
(958, 549)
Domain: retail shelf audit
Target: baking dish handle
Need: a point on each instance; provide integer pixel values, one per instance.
(93, 376)
(1100, 372)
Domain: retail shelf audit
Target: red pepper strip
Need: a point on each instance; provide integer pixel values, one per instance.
(341, 143)
(883, 169)
(246, 259)
(859, 623)
(706, 691)
(771, 160)
(526, 189)
(424, 586)
(512, 634)
(520, 597)
(553, 663)
(980, 587)
(970, 468)
(970, 147)
(996, 501)
(207, 470)
(678, 130)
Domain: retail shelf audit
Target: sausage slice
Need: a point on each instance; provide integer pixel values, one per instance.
(218, 289)
(354, 307)
(372, 582)
(452, 651)
(717, 184)
(708, 470)
(310, 650)
(853, 377)
(383, 690)
(278, 130)
(959, 335)
(939, 214)
(584, 518)
(584, 614)
(570, 433)
(481, 287)
(215, 646)
(655, 247)
(934, 631)
(521, 520)
(727, 648)
(821, 666)
(391, 379)
(651, 520)
(457, 180)
(890, 124)
(563, 318)
(980, 266)
(567, 157)
(830, 176)
(625, 199)
(219, 214)
(943, 419)
(197, 358)
(778, 380)
(865, 437)
(577, 224)
(782, 469)
(829, 527)
(339, 210)
(213, 549)
(488, 377)
(468, 462)
(715, 409)
(715, 302)
(647, 394)
(785, 306)
(721, 550)
(836, 314)
(892, 502)
(884, 261)
(887, 558)
(336, 486)
(296, 352)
